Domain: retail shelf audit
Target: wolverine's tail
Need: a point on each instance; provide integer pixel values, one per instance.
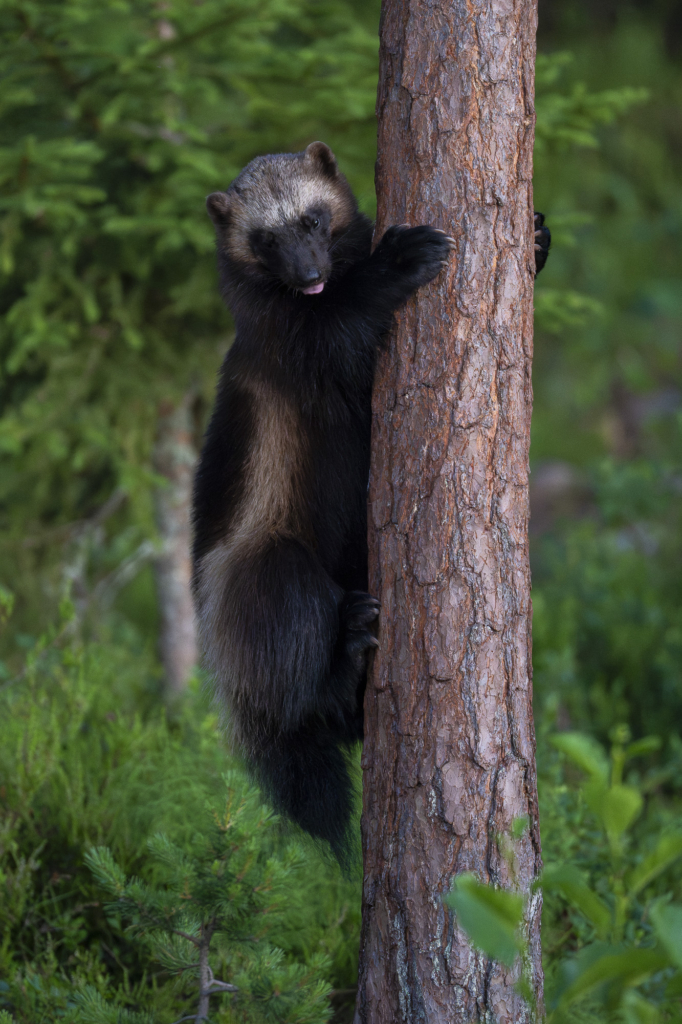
(307, 777)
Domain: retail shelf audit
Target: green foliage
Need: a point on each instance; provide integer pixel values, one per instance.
(606, 592)
(621, 942)
(626, 935)
(117, 119)
(607, 606)
(89, 759)
(568, 880)
(490, 917)
(568, 118)
(213, 912)
(116, 123)
(624, 254)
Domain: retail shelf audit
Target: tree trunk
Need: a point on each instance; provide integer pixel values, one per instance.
(449, 757)
(174, 458)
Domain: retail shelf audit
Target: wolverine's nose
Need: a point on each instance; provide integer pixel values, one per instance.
(311, 275)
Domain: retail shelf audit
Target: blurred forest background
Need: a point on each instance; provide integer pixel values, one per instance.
(117, 118)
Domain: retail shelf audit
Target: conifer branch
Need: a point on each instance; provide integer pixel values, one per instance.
(183, 935)
(220, 986)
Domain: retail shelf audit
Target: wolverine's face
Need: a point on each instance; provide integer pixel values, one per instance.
(297, 253)
(281, 214)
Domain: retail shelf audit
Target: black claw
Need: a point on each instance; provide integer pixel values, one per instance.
(544, 240)
(357, 612)
(415, 254)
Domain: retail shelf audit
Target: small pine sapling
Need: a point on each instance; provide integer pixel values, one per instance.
(211, 912)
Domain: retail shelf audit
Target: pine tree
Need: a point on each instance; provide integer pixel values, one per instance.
(449, 748)
(210, 914)
(117, 119)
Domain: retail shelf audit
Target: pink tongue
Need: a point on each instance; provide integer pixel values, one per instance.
(314, 289)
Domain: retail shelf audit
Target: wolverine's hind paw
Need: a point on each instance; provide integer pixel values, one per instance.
(357, 612)
(359, 609)
(543, 240)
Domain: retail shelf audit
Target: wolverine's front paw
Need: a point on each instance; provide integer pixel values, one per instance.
(543, 240)
(357, 612)
(415, 254)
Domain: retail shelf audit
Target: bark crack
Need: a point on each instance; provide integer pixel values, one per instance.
(449, 742)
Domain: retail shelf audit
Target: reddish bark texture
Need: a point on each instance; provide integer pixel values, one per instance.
(449, 757)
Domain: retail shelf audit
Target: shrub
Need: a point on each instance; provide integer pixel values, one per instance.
(89, 759)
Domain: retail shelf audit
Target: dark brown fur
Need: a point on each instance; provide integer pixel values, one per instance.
(280, 552)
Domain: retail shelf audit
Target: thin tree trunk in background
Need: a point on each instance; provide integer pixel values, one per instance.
(449, 756)
(174, 458)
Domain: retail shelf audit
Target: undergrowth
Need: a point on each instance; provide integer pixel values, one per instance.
(90, 761)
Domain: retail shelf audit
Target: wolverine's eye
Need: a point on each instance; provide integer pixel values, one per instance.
(315, 223)
(269, 239)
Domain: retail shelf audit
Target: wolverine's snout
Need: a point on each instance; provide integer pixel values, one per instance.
(305, 265)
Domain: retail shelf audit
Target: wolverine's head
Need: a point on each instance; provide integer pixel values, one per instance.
(281, 214)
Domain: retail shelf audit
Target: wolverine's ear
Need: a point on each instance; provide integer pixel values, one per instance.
(218, 206)
(323, 158)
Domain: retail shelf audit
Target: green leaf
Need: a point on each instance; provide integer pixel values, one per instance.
(669, 848)
(627, 968)
(647, 745)
(6, 603)
(585, 752)
(667, 921)
(674, 987)
(558, 308)
(637, 1010)
(618, 808)
(490, 917)
(571, 883)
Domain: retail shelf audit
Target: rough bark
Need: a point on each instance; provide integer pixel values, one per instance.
(174, 459)
(449, 756)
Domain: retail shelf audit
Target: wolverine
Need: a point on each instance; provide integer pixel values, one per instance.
(280, 523)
